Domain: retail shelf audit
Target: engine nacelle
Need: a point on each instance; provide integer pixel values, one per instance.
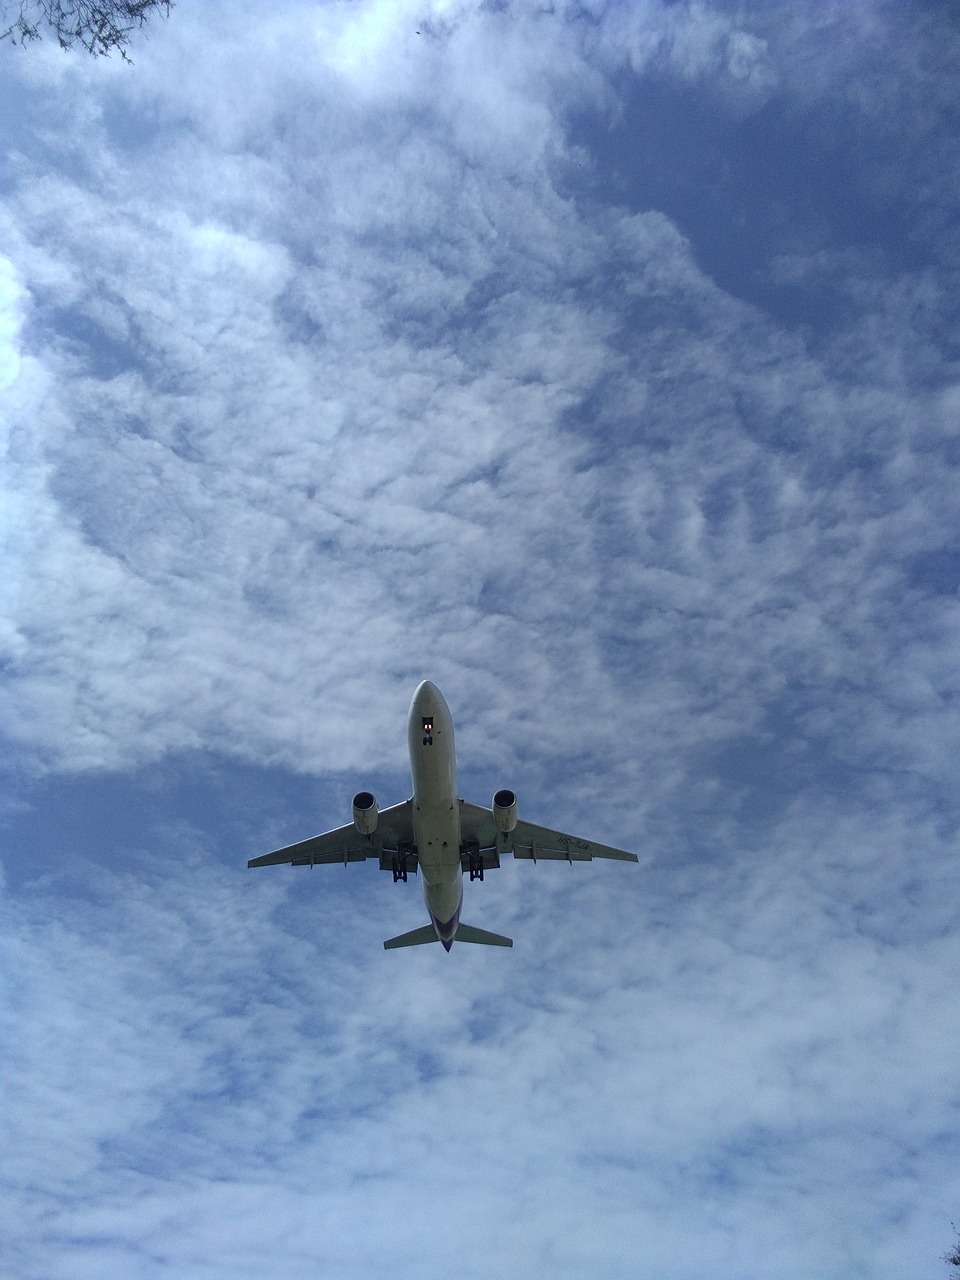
(365, 813)
(505, 811)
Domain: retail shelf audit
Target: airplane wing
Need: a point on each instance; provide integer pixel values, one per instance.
(531, 841)
(346, 844)
(527, 840)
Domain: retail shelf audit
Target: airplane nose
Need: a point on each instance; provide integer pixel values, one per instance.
(428, 702)
(427, 691)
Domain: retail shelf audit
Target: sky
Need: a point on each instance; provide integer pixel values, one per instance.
(599, 361)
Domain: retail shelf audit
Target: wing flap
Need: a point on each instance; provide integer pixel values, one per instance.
(538, 853)
(390, 860)
(490, 858)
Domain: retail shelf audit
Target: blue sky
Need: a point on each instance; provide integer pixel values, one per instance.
(599, 362)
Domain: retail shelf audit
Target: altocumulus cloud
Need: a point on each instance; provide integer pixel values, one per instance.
(598, 363)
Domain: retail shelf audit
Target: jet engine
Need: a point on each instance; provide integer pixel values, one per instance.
(505, 811)
(365, 813)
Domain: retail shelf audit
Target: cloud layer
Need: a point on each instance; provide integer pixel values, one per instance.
(599, 363)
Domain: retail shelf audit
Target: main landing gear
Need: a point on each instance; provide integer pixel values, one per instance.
(474, 862)
(401, 867)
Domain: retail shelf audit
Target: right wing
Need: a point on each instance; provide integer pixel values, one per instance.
(346, 844)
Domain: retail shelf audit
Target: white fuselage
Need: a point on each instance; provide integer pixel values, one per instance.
(436, 809)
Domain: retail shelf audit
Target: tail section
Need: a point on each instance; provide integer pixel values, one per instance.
(415, 938)
(467, 933)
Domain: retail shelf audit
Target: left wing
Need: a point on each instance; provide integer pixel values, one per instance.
(527, 840)
(531, 841)
(345, 844)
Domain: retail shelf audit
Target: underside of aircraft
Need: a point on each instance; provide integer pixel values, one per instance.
(437, 834)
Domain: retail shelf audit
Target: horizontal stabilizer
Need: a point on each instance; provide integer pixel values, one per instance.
(415, 938)
(467, 933)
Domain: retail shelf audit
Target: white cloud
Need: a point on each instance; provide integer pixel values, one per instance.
(242, 1096)
(327, 374)
(10, 322)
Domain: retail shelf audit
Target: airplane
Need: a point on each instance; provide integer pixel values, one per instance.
(438, 832)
